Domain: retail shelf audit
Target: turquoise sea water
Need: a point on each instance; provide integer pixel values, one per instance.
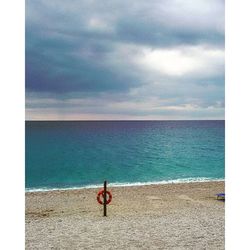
(68, 154)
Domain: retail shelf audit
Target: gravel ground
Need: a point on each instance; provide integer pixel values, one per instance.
(171, 216)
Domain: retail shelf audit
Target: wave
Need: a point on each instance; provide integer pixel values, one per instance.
(127, 184)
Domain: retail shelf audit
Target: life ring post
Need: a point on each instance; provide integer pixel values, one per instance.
(105, 199)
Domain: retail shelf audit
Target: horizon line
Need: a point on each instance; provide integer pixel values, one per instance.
(112, 120)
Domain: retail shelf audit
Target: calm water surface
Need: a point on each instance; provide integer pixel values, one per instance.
(66, 154)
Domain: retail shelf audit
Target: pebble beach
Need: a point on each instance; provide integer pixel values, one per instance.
(170, 216)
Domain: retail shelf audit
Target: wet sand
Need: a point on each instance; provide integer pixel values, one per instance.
(170, 216)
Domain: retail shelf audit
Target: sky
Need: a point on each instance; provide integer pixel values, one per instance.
(124, 60)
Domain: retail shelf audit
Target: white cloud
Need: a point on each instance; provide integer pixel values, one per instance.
(182, 61)
(98, 24)
(191, 14)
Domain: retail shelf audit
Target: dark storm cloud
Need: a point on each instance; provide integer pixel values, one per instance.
(55, 64)
(152, 33)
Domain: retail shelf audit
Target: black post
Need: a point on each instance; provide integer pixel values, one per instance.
(105, 199)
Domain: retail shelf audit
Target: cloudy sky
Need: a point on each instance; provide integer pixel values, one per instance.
(108, 60)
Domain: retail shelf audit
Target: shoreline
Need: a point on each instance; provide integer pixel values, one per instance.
(132, 184)
(167, 216)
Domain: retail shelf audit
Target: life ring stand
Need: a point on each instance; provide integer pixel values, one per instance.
(101, 193)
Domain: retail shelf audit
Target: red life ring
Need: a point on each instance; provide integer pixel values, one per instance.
(101, 193)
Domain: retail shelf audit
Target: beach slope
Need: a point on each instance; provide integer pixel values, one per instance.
(171, 216)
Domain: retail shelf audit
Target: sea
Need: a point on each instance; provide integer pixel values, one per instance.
(82, 154)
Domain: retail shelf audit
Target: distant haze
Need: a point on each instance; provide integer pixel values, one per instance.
(124, 60)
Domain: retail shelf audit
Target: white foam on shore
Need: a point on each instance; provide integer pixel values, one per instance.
(126, 184)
